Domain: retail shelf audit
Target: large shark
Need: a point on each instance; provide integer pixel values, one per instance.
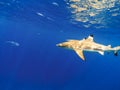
(88, 44)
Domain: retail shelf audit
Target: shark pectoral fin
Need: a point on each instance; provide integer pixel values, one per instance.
(80, 54)
(101, 52)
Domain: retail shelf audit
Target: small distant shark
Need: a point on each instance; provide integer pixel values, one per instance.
(88, 44)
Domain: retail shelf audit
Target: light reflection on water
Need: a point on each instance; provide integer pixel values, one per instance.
(93, 12)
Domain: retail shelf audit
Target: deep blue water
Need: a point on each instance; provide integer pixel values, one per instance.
(35, 63)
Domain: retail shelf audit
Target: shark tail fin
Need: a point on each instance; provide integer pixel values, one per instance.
(116, 49)
(116, 53)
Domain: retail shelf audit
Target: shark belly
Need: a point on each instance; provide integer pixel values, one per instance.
(88, 50)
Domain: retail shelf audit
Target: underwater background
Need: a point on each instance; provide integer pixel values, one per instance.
(30, 30)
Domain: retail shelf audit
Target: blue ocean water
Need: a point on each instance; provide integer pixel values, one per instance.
(30, 60)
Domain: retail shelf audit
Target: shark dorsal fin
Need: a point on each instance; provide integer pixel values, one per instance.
(109, 46)
(90, 38)
(101, 52)
(80, 53)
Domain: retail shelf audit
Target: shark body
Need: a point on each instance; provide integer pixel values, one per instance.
(88, 44)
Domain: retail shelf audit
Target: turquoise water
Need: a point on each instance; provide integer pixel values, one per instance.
(30, 60)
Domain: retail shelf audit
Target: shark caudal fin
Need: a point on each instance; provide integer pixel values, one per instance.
(80, 53)
(116, 53)
(116, 49)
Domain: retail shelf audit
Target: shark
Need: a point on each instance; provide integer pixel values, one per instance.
(88, 44)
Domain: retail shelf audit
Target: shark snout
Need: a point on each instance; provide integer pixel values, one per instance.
(62, 44)
(59, 45)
